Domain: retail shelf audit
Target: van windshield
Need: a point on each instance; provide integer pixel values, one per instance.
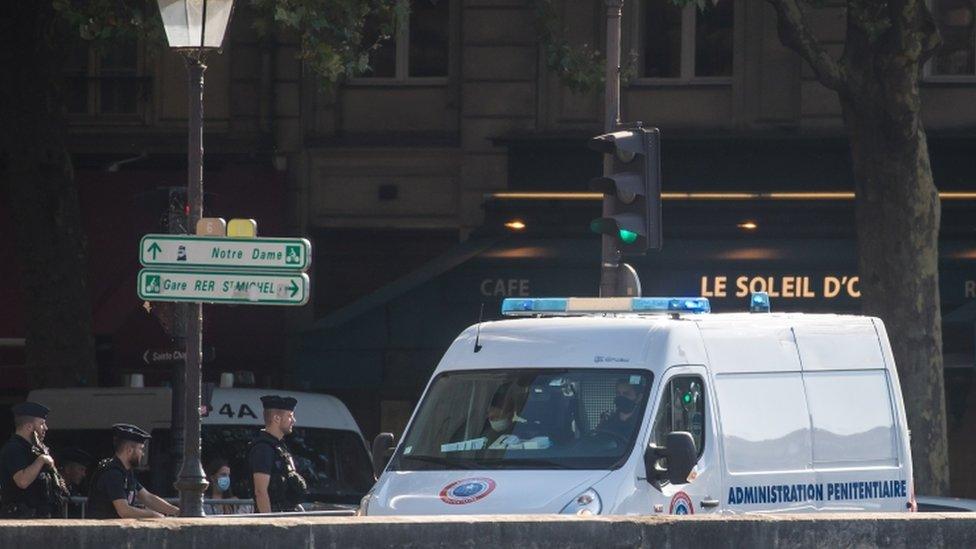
(526, 419)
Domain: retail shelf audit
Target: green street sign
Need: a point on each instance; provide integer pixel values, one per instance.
(211, 252)
(224, 287)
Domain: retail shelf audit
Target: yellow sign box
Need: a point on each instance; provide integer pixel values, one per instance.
(242, 228)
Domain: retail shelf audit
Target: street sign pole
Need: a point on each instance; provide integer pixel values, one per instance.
(192, 482)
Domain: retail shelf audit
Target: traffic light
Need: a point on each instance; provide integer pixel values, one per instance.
(634, 189)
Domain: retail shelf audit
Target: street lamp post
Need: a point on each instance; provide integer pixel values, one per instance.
(194, 27)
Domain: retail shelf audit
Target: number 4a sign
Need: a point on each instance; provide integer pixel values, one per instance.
(241, 412)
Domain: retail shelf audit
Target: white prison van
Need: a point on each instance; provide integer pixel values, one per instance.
(653, 406)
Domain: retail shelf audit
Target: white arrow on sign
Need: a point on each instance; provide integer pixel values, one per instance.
(224, 287)
(187, 251)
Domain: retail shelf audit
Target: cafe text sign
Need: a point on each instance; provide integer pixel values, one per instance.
(785, 286)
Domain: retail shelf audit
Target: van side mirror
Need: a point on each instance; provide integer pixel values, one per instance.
(382, 451)
(681, 456)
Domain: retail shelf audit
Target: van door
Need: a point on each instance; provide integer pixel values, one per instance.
(685, 403)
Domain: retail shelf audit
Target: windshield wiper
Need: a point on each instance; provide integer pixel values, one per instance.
(514, 462)
(448, 462)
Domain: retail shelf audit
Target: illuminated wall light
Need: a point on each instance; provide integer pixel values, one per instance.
(714, 196)
(748, 226)
(515, 225)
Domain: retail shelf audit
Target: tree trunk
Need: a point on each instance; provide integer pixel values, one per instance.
(898, 214)
(39, 184)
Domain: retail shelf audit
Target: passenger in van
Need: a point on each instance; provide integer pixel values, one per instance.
(502, 417)
(623, 419)
(218, 474)
(498, 420)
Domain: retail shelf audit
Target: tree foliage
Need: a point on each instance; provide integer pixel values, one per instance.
(580, 67)
(332, 33)
(333, 42)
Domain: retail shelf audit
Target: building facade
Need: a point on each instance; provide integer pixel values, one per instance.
(398, 178)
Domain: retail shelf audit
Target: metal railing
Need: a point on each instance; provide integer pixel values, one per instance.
(242, 508)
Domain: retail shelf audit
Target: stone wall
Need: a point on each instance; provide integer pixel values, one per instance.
(833, 531)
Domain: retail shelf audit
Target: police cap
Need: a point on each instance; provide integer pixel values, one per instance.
(126, 431)
(76, 455)
(30, 409)
(275, 402)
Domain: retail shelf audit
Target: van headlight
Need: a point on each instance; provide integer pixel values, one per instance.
(585, 504)
(364, 504)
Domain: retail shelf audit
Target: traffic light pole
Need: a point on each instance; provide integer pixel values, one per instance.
(610, 255)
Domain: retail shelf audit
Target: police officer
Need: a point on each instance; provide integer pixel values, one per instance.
(75, 464)
(26, 472)
(114, 488)
(277, 484)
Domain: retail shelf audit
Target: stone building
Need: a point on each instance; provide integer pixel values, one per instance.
(400, 177)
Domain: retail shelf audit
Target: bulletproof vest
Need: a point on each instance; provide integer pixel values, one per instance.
(286, 488)
(99, 504)
(37, 501)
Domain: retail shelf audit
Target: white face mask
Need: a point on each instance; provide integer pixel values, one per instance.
(500, 424)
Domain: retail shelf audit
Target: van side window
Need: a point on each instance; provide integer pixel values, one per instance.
(682, 409)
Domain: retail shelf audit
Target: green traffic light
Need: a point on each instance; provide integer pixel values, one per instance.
(628, 237)
(686, 398)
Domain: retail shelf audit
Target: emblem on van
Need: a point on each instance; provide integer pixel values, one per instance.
(681, 505)
(599, 358)
(467, 490)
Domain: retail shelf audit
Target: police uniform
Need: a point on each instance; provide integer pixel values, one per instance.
(38, 500)
(112, 480)
(81, 457)
(270, 456)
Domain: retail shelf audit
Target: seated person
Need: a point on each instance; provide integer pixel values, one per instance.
(500, 417)
(623, 420)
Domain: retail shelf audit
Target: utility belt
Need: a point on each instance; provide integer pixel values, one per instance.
(17, 510)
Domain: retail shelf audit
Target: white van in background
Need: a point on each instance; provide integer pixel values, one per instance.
(327, 444)
(654, 406)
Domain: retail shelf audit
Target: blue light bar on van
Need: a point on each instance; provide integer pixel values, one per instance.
(513, 306)
(576, 305)
(759, 302)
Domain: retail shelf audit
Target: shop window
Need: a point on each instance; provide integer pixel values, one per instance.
(419, 47)
(685, 43)
(105, 82)
(957, 56)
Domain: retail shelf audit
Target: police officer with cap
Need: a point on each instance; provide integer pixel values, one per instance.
(74, 468)
(75, 464)
(114, 488)
(26, 472)
(277, 485)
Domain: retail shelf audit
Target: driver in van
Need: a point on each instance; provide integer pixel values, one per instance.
(623, 419)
